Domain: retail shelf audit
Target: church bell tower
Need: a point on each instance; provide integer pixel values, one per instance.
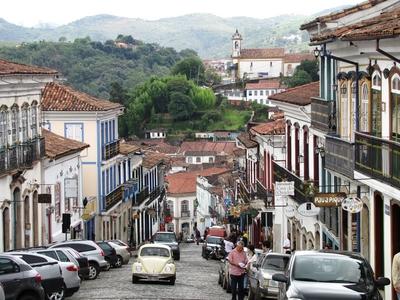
(236, 44)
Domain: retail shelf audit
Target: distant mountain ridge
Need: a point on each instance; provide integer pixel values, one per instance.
(207, 34)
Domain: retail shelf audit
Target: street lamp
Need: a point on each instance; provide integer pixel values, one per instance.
(320, 150)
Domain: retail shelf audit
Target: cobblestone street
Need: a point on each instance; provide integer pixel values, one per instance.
(197, 278)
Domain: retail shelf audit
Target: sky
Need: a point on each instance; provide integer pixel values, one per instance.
(56, 12)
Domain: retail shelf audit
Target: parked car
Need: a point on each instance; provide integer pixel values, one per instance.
(123, 244)
(123, 254)
(154, 262)
(50, 271)
(69, 268)
(211, 244)
(260, 274)
(89, 249)
(329, 275)
(19, 280)
(110, 254)
(83, 262)
(169, 239)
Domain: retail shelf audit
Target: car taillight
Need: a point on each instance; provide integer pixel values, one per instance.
(72, 268)
(38, 278)
(102, 253)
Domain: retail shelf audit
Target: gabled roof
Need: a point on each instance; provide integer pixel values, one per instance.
(297, 57)
(264, 85)
(218, 147)
(245, 139)
(58, 146)
(299, 95)
(262, 53)
(11, 68)
(58, 97)
(271, 128)
(342, 13)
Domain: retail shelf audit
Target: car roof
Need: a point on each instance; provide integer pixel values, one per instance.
(155, 246)
(277, 254)
(331, 253)
(17, 253)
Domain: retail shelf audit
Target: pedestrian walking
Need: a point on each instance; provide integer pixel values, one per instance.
(237, 269)
(396, 274)
(228, 245)
(287, 244)
(198, 236)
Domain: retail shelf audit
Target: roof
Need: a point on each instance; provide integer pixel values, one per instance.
(226, 147)
(262, 53)
(342, 13)
(299, 95)
(158, 145)
(11, 68)
(385, 25)
(297, 57)
(126, 148)
(270, 128)
(185, 182)
(57, 146)
(264, 84)
(151, 159)
(57, 97)
(245, 139)
(200, 153)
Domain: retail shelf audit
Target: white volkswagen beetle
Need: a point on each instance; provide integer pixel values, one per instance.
(154, 262)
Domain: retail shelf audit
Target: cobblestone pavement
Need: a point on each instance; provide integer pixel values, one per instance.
(196, 278)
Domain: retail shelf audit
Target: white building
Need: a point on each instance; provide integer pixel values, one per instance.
(260, 91)
(156, 134)
(62, 168)
(200, 157)
(21, 151)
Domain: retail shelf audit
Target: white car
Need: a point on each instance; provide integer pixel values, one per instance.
(123, 254)
(154, 263)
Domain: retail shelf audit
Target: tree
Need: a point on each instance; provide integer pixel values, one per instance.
(117, 93)
(299, 77)
(181, 107)
(203, 98)
(192, 68)
(311, 67)
(211, 77)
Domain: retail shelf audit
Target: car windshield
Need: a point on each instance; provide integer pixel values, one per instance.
(165, 237)
(154, 251)
(276, 263)
(213, 240)
(329, 269)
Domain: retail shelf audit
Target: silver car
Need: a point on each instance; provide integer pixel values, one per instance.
(123, 254)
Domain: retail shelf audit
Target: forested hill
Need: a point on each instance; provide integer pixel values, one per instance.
(94, 67)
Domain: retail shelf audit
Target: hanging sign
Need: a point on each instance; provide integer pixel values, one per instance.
(285, 188)
(290, 211)
(308, 209)
(352, 204)
(329, 199)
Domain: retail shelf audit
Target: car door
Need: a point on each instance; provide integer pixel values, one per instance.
(253, 272)
(10, 277)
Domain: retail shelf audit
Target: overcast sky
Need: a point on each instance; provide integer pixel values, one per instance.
(33, 12)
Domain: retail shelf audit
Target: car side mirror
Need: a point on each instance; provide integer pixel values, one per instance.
(382, 281)
(280, 278)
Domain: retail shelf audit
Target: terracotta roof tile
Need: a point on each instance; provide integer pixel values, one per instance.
(264, 84)
(58, 146)
(127, 148)
(219, 147)
(57, 97)
(271, 128)
(185, 182)
(200, 153)
(245, 139)
(151, 159)
(9, 68)
(299, 95)
(297, 57)
(262, 53)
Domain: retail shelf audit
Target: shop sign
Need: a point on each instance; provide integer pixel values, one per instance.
(308, 209)
(285, 188)
(71, 187)
(290, 211)
(329, 199)
(44, 198)
(352, 204)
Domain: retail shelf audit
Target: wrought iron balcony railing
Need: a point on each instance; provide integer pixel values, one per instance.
(339, 155)
(114, 197)
(110, 150)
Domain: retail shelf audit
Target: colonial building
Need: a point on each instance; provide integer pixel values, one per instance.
(359, 104)
(21, 151)
(62, 168)
(260, 91)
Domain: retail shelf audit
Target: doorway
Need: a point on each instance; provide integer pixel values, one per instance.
(378, 220)
(6, 229)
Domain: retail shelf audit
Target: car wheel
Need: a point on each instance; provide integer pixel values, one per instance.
(93, 271)
(178, 257)
(118, 263)
(57, 295)
(134, 279)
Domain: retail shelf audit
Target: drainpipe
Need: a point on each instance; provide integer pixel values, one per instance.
(379, 50)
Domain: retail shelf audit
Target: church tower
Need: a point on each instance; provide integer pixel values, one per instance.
(236, 44)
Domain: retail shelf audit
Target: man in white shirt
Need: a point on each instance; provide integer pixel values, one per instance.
(287, 244)
(229, 246)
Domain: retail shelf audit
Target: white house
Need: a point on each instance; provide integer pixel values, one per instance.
(260, 91)
(156, 134)
(200, 157)
(21, 151)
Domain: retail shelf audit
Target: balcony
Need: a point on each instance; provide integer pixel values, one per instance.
(114, 197)
(323, 115)
(243, 192)
(339, 155)
(142, 196)
(378, 158)
(21, 156)
(185, 214)
(110, 150)
(300, 187)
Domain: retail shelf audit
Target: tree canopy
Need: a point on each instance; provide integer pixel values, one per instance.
(305, 73)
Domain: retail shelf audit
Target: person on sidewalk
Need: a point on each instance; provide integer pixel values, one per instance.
(396, 274)
(287, 245)
(237, 269)
(198, 236)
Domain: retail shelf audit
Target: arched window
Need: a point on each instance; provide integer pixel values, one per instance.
(24, 122)
(34, 118)
(344, 109)
(395, 107)
(376, 107)
(14, 124)
(3, 126)
(352, 105)
(364, 108)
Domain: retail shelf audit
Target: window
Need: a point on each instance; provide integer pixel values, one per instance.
(270, 64)
(14, 124)
(190, 159)
(33, 259)
(255, 93)
(170, 206)
(24, 122)
(34, 118)
(261, 93)
(376, 107)
(185, 205)
(7, 266)
(261, 101)
(62, 256)
(210, 160)
(364, 111)
(395, 108)
(78, 247)
(74, 131)
(344, 108)
(51, 254)
(249, 93)
(3, 126)
(251, 66)
(57, 200)
(198, 159)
